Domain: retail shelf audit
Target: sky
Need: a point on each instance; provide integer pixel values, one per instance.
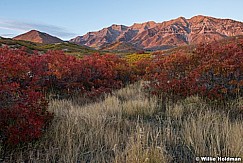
(67, 19)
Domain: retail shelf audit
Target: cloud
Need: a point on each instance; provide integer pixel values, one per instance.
(7, 35)
(25, 26)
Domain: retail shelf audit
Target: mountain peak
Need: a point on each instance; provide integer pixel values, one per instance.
(33, 30)
(199, 18)
(147, 25)
(38, 37)
(118, 27)
(181, 18)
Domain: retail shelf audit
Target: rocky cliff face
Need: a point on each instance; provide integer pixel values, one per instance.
(176, 32)
(38, 37)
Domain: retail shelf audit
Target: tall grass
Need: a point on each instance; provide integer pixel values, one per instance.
(128, 126)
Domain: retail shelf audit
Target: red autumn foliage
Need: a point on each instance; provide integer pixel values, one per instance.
(212, 70)
(91, 75)
(23, 111)
(26, 119)
(25, 77)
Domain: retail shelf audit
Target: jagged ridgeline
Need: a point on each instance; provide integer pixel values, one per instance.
(159, 36)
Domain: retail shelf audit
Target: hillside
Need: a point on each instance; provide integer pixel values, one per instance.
(121, 47)
(191, 48)
(38, 37)
(67, 47)
(154, 36)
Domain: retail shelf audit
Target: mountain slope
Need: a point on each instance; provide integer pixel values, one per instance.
(66, 47)
(176, 32)
(38, 37)
(123, 47)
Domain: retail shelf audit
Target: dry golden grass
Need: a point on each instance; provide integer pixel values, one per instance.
(129, 127)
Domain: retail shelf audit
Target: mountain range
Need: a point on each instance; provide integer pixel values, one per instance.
(150, 35)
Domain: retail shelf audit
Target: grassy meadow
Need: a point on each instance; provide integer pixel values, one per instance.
(130, 126)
